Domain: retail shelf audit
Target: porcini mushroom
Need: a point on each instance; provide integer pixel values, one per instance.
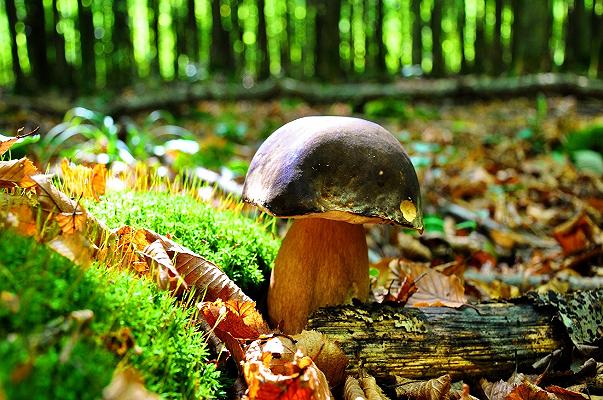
(331, 174)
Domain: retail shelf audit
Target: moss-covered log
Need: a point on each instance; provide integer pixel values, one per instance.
(485, 340)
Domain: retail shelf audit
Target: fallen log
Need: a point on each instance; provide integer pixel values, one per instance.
(486, 340)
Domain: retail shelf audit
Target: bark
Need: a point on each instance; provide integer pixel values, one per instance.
(417, 25)
(11, 14)
(221, 58)
(438, 66)
(86, 27)
(380, 66)
(417, 343)
(327, 40)
(36, 43)
(192, 48)
(263, 59)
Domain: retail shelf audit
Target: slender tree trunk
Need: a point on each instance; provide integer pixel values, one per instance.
(221, 58)
(121, 60)
(327, 40)
(179, 28)
(497, 49)
(62, 71)
(461, 22)
(236, 36)
(192, 29)
(438, 66)
(11, 14)
(86, 28)
(286, 41)
(530, 35)
(153, 6)
(577, 42)
(369, 39)
(417, 26)
(480, 61)
(36, 42)
(263, 60)
(380, 66)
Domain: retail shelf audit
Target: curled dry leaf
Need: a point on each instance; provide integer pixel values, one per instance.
(369, 385)
(565, 394)
(527, 391)
(17, 173)
(352, 389)
(160, 264)
(576, 234)
(77, 248)
(433, 389)
(7, 143)
(274, 369)
(434, 289)
(234, 322)
(127, 385)
(326, 354)
(71, 223)
(22, 218)
(50, 197)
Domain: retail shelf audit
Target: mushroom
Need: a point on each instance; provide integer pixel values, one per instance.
(331, 175)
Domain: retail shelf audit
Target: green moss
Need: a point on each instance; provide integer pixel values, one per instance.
(46, 354)
(241, 247)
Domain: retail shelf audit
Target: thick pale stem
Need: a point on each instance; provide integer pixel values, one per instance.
(321, 262)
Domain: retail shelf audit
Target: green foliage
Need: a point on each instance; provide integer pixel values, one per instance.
(242, 248)
(585, 147)
(37, 332)
(386, 108)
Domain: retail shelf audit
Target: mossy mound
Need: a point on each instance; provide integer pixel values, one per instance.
(240, 246)
(47, 353)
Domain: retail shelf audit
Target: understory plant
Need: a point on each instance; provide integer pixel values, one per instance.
(64, 330)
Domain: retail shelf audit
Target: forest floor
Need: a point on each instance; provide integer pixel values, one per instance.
(512, 193)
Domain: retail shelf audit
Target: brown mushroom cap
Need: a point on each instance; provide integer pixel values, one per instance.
(340, 167)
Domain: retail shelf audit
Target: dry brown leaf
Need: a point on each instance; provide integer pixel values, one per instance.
(98, 182)
(80, 180)
(5, 145)
(197, 272)
(371, 390)
(164, 273)
(23, 220)
(273, 369)
(496, 390)
(71, 223)
(527, 391)
(565, 394)
(326, 354)
(434, 289)
(119, 342)
(576, 234)
(433, 389)
(74, 247)
(17, 173)
(127, 385)
(352, 389)
(51, 197)
(130, 244)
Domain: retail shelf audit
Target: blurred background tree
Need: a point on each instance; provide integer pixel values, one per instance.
(83, 45)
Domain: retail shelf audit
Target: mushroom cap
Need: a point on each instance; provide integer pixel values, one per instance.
(337, 168)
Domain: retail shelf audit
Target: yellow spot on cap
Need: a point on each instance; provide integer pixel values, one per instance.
(409, 211)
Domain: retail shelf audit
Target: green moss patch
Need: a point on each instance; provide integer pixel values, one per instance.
(48, 351)
(241, 247)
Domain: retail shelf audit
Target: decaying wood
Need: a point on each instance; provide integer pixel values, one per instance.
(484, 340)
(315, 92)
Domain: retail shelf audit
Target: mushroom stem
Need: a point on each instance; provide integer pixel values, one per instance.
(321, 262)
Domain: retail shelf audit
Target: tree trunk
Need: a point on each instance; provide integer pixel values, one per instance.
(530, 45)
(461, 21)
(62, 71)
(497, 48)
(417, 26)
(263, 59)
(36, 43)
(86, 27)
(380, 65)
(481, 53)
(327, 40)
(153, 6)
(577, 41)
(11, 14)
(121, 59)
(286, 41)
(221, 57)
(438, 66)
(192, 28)
(236, 37)
(417, 343)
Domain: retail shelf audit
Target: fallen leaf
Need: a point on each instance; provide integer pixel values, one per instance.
(576, 234)
(74, 247)
(22, 218)
(370, 387)
(162, 269)
(6, 144)
(127, 385)
(565, 394)
(433, 389)
(71, 223)
(496, 390)
(51, 197)
(434, 289)
(527, 391)
(120, 341)
(17, 173)
(327, 355)
(352, 389)
(98, 181)
(273, 369)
